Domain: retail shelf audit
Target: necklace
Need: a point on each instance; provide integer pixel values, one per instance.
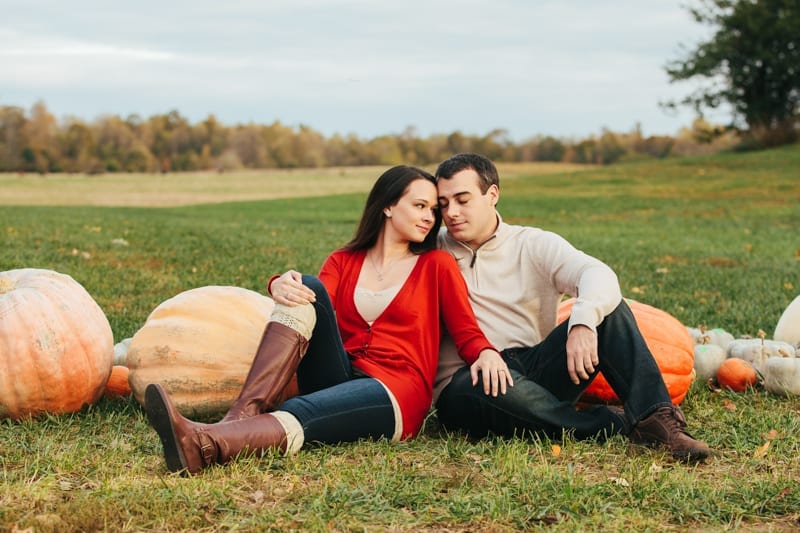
(385, 272)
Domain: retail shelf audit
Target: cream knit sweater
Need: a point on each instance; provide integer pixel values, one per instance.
(516, 280)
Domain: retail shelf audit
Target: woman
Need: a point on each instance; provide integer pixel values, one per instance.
(363, 337)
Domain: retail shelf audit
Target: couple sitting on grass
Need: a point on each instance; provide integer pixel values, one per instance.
(405, 316)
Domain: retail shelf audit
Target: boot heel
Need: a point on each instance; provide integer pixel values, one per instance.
(158, 413)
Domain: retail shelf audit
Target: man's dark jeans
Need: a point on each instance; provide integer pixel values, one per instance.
(543, 398)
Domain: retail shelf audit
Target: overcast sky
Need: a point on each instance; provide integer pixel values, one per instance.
(566, 68)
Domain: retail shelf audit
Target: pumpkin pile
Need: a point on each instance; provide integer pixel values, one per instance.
(56, 344)
(739, 364)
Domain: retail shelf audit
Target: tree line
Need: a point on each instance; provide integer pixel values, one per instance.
(35, 141)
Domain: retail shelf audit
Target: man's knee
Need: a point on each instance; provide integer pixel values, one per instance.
(451, 405)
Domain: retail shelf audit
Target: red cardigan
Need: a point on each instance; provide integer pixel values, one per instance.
(401, 348)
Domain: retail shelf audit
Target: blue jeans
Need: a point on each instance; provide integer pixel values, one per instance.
(336, 405)
(542, 400)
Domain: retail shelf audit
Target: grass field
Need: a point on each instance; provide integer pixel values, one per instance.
(191, 188)
(712, 240)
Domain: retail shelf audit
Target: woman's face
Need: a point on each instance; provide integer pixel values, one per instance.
(413, 216)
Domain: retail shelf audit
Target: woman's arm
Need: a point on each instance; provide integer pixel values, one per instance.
(462, 325)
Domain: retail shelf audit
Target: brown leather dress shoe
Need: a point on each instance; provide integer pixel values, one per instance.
(666, 427)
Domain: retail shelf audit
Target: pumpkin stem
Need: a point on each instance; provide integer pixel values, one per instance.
(6, 284)
(763, 356)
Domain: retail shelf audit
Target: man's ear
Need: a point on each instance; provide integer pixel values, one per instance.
(494, 194)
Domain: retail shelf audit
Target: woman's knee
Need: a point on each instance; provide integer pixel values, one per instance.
(322, 305)
(314, 283)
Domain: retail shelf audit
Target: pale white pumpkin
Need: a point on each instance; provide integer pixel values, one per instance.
(788, 328)
(707, 358)
(199, 346)
(121, 352)
(757, 351)
(720, 337)
(717, 336)
(782, 375)
(696, 334)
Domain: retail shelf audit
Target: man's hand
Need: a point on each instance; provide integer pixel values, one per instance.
(582, 356)
(289, 290)
(494, 372)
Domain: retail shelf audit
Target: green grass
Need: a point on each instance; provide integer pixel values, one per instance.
(711, 240)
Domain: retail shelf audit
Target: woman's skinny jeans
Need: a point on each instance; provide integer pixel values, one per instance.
(335, 405)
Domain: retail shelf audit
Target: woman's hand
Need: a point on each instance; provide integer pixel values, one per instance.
(288, 289)
(494, 373)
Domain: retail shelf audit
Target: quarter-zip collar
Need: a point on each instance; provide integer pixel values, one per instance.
(474, 252)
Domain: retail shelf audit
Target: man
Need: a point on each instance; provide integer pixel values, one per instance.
(516, 277)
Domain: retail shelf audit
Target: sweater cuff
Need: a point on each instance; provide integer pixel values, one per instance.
(472, 358)
(584, 314)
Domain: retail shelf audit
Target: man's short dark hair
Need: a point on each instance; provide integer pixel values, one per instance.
(480, 164)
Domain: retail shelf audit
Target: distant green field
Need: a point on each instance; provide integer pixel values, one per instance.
(191, 188)
(712, 240)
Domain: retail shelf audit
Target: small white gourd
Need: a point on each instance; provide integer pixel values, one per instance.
(696, 334)
(707, 358)
(720, 337)
(717, 336)
(782, 375)
(121, 351)
(758, 351)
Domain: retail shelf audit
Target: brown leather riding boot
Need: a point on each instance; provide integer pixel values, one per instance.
(269, 381)
(190, 447)
(219, 443)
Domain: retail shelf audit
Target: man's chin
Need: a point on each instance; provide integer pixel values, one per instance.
(457, 235)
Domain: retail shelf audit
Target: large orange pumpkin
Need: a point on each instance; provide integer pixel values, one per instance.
(199, 345)
(667, 339)
(56, 344)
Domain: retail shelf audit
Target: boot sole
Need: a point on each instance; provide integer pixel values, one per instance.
(158, 415)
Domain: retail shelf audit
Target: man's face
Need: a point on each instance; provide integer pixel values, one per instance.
(469, 215)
